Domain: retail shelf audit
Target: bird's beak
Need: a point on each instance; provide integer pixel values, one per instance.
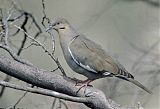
(51, 26)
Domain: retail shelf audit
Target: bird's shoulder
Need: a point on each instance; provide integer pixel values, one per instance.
(91, 54)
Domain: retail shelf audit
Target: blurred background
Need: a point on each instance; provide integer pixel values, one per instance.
(127, 29)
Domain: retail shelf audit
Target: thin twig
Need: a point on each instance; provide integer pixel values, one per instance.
(14, 56)
(7, 78)
(20, 99)
(63, 103)
(49, 22)
(44, 15)
(44, 92)
(54, 103)
(44, 48)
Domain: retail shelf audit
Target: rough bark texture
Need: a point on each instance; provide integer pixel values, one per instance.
(49, 80)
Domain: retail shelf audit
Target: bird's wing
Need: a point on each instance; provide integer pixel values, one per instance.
(91, 56)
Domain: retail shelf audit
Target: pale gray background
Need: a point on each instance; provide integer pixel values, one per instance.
(114, 24)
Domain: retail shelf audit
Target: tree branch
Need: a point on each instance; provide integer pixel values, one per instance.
(44, 92)
(92, 97)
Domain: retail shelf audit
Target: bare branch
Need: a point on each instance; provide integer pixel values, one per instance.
(43, 92)
(7, 78)
(19, 98)
(53, 104)
(44, 48)
(48, 22)
(63, 103)
(44, 15)
(14, 56)
(65, 87)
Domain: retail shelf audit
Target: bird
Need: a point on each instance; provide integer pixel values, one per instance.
(88, 58)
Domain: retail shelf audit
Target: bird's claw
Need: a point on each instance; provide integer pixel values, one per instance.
(83, 84)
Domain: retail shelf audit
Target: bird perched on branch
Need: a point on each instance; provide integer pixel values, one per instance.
(88, 58)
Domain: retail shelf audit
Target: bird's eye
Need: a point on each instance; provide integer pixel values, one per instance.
(58, 23)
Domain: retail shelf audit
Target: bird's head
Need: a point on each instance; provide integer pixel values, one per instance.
(63, 28)
(59, 24)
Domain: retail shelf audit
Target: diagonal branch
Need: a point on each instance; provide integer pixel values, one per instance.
(44, 92)
(94, 98)
(44, 48)
(14, 55)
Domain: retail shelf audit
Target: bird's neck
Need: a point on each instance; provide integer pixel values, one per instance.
(66, 35)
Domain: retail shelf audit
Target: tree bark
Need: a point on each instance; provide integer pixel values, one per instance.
(95, 98)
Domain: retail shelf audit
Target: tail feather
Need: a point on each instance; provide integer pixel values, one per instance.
(139, 85)
(123, 74)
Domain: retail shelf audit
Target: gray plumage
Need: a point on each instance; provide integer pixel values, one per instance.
(88, 58)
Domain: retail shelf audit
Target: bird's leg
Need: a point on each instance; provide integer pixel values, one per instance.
(84, 84)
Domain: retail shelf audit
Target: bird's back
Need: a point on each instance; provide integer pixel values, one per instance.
(91, 54)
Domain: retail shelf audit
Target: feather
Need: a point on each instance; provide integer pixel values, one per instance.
(87, 67)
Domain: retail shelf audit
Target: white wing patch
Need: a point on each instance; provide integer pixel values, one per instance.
(87, 67)
(106, 73)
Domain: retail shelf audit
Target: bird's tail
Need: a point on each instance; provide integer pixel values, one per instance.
(139, 85)
(123, 74)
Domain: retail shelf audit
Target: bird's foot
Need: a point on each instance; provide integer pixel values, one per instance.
(83, 84)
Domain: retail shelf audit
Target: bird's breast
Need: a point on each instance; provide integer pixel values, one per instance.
(73, 65)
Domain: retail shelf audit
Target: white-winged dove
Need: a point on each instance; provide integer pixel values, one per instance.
(88, 58)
